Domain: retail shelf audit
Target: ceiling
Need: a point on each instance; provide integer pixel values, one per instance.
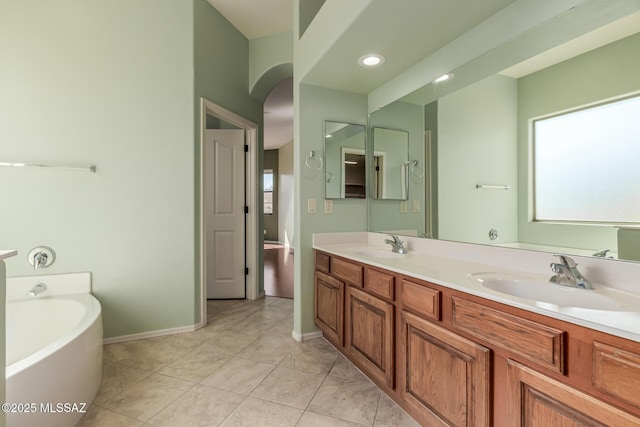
(257, 18)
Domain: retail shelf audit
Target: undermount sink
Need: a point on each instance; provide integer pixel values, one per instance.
(538, 289)
(379, 253)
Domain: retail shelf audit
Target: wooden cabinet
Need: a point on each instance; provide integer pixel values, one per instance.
(538, 343)
(454, 359)
(536, 400)
(329, 307)
(443, 377)
(370, 334)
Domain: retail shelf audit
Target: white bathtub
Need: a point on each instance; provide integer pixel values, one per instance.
(54, 350)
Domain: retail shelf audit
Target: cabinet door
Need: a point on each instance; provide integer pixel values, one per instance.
(539, 401)
(369, 335)
(329, 307)
(442, 376)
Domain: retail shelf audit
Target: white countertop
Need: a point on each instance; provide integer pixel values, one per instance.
(7, 253)
(449, 264)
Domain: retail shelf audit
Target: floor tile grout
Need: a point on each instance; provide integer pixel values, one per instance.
(129, 356)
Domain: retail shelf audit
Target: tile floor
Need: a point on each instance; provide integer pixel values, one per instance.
(242, 369)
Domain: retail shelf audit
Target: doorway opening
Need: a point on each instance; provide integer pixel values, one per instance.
(212, 112)
(278, 191)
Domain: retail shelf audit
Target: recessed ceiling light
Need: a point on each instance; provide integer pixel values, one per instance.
(443, 78)
(350, 162)
(371, 60)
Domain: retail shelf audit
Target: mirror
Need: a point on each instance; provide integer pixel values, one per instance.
(344, 151)
(480, 153)
(390, 164)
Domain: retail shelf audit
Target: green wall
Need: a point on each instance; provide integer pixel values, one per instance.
(109, 83)
(314, 105)
(117, 84)
(286, 208)
(607, 72)
(477, 131)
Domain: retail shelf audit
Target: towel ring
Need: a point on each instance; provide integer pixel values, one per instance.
(313, 161)
(417, 170)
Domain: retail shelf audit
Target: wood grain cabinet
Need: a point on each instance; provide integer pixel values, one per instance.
(454, 359)
(443, 377)
(370, 334)
(329, 307)
(536, 400)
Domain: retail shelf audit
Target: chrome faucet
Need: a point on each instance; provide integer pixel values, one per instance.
(39, 260)
(602, 253)
(567, 273)
(396, 244)
(37, 289)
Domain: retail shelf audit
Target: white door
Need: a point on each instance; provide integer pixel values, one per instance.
(224, 199)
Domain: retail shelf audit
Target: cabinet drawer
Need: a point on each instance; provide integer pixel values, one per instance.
(349, 272)
(420, 299)
(322, 262)
(379, 283)
(533, 341)
(617, 372)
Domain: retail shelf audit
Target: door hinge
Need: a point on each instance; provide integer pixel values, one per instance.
(246, 148)
(246, 209)
(246, 270)
(377, 168)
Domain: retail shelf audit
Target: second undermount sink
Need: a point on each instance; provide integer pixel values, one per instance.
(539, 289)
(379, 253)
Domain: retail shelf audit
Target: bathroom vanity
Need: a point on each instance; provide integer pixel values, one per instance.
(452, 352)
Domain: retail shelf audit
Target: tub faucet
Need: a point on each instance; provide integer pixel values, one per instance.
(567, 274)
(37, 289)
(396, 244)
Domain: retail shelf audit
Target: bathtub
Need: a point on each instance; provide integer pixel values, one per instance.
(54, 350)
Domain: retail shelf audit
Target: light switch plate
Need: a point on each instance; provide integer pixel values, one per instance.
(416, 206)
(328, 206)
(312, 206)
(403, 206)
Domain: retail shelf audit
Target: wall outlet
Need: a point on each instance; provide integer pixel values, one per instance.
(312, 206)
(403, 206)
(328, 206)
(416, 206)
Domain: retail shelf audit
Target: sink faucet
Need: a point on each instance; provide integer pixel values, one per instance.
(602, 254)
(396, 244)
(567, 273)
(39, 288)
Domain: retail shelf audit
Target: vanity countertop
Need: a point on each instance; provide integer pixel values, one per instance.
(447, 268)
(7, 253)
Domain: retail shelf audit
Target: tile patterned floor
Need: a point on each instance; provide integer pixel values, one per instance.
(242, 369)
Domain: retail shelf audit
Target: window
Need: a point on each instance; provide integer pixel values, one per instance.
(268, 192)
(586, 164)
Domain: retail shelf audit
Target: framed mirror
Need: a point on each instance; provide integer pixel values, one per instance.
(390, 164)
(345, 160)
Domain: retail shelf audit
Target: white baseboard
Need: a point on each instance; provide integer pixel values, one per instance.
(304, 337)
(150, 334)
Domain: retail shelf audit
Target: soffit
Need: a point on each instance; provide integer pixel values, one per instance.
(404, 32)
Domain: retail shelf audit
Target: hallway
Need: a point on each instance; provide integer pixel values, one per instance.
(278, 271)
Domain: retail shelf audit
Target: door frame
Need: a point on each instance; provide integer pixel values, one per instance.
(251, 197)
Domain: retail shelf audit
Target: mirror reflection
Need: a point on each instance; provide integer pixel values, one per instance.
(390, 167)
(483, 154)
(344, 150)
